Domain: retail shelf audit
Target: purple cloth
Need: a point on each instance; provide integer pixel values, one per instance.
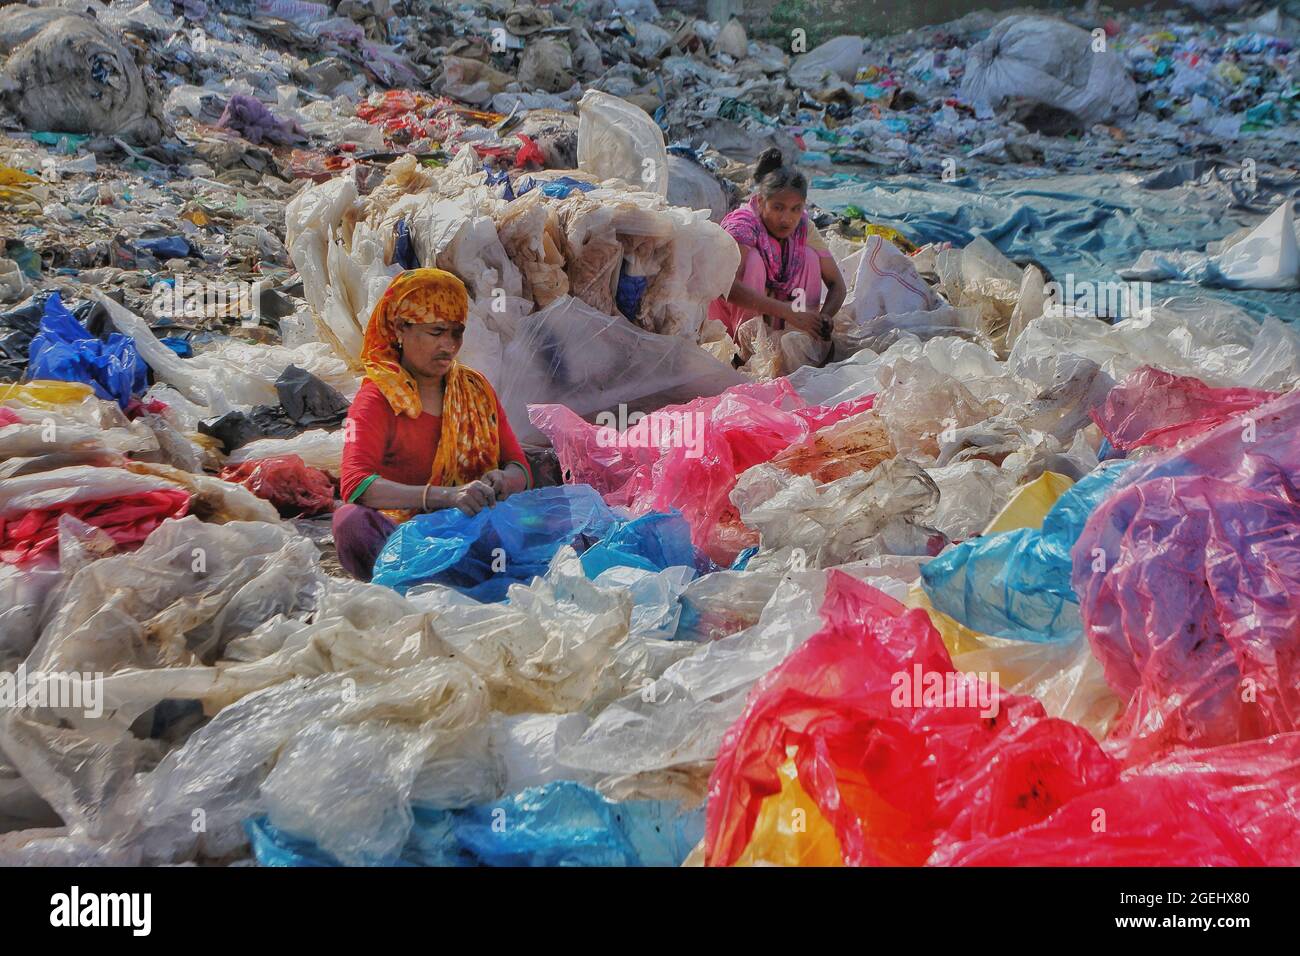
(250, 118)
(359, 536)
(783, 259)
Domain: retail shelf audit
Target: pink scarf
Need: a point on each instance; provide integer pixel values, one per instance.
(782, 258)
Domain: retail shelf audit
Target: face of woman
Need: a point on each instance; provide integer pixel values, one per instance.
(428, 349)
(781, 212)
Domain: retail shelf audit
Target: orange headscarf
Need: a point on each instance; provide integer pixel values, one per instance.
(469, 443)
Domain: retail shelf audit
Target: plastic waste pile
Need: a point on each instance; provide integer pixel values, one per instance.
(1009, 556)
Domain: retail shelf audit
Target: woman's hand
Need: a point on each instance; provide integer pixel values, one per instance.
(471, 498)
(814, 323)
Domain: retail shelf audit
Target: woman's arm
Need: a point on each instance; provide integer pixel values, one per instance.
(752, 299)
(836, 287)
(384, 494)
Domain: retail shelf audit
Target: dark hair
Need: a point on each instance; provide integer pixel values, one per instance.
(771, 175)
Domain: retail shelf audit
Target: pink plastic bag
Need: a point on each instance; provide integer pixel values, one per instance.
(1153, 407)
(689, 456)
(1188, 579)
(1224, 806)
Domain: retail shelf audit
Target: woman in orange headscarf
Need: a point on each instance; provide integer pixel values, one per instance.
(425, 432)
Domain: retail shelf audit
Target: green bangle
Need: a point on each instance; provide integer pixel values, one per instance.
(360, 489)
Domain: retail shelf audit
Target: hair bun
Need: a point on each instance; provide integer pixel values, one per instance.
(768, 161)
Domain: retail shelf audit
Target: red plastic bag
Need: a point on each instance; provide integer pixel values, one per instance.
(1153, 407)
(128, 519)
(689, 456)
(287, 482)
(1224, 806)
(893, 775)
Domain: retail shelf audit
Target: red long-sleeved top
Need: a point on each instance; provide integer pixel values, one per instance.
(400, 448)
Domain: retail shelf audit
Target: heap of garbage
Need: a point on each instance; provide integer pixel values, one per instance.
(1017, 552)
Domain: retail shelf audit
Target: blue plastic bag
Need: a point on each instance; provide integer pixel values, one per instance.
(1016, 584)
(558, 824)
(166, 247)
(65, 351)
(508, 543)
(652, 542)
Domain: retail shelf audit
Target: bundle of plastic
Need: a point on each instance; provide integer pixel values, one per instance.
(898, 759)
(285, 481)
(126, 506)
(1188, 579)
(688, 457)
(1153, 407)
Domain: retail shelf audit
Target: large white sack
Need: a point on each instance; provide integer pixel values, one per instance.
(1052, 62)
(838, 58)
(617, 140)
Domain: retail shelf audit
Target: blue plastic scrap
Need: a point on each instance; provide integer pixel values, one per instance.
(652, 542)
(509, 543)
(1016, 584)
(166, 247)
(65, 351)
(558, 824)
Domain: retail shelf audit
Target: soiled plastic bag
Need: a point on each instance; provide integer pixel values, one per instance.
(1053, 62)
(74, 75)
(1152, 407)
(286, 482)
(481, 556)
(1186, 577)
(894, 775)
(1016, 584)
(592, 362)
(559, 824)
(617, 140)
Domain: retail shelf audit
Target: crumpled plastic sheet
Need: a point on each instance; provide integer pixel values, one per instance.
(652, 542)
(1019, 788)
(894, 776)
(511, 542)
(688, 457)
(678, 720)
(127, 519)
(141, 619)
(234, 374)
(560, 644)
(1213, 341)
(286, 482)
(1016, 584)
(1186, 578)
(569, 352)
(559, 824)
(1153, 407)
(64, 350)
(1222, 806)
(866, 514)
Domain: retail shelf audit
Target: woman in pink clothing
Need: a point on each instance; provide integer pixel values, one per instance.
(783, 260)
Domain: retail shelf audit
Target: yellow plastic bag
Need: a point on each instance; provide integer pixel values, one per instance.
(45, 393)
(790, 830)
(1031, 502)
